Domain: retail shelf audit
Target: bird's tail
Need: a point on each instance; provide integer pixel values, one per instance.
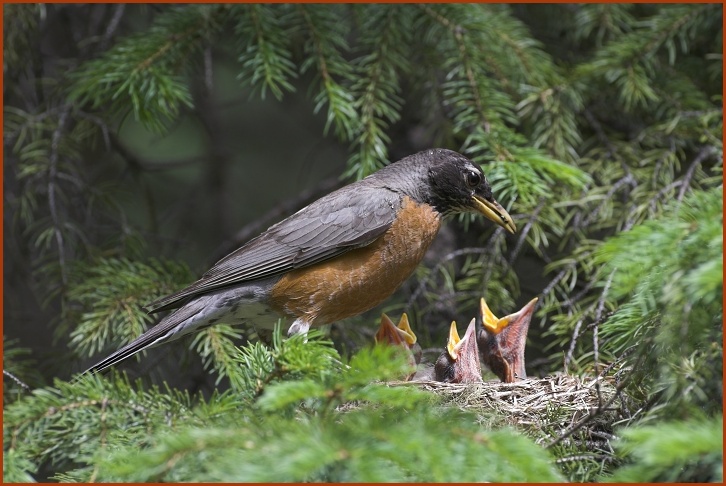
(170, 328)
(116, 357)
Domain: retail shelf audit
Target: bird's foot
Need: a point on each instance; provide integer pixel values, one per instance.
(300, 326)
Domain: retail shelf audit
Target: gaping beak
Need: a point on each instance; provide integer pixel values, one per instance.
(455, 345)
(460, 361)
(493, 211)
(401, 336)
(502, 341)
(495, 325)
(454, 342)
(524, 314)
(405, 330)
(388, 332)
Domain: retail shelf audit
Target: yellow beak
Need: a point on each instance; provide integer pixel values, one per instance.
(452, 344)
(493, 211)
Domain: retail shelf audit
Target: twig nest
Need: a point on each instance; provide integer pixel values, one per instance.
(551, 404)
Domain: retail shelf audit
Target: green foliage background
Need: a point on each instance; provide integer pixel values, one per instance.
(130, 133)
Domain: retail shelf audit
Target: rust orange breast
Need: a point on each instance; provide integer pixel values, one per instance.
(362, 278)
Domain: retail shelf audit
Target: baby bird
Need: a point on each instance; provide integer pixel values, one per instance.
(401, 336)
(460, 362)
(502, 341)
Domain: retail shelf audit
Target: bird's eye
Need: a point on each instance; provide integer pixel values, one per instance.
(473, 179)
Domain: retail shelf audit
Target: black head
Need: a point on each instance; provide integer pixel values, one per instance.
(456, 184)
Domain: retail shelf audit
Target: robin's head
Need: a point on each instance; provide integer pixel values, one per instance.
(455, 184)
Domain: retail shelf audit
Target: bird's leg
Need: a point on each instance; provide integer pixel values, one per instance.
(299, 326)
(502, 341)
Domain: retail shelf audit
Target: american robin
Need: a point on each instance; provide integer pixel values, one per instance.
(459, 363)
(502, 341)
(402, 337)
(338, 257)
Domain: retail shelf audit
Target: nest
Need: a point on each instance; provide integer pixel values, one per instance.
(551, 409)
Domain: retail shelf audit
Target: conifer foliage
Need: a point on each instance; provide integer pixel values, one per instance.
(599, 127)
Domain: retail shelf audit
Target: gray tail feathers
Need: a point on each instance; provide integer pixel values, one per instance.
(126, 352)
(115, 358)
(164, 331)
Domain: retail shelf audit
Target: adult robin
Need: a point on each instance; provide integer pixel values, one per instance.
(459, 363)
(502, 341)
(338, 257)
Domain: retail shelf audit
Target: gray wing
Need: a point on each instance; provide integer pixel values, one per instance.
(329, 227)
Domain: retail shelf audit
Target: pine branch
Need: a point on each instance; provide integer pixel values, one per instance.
(385, 41)
(630, 61)
(686, 181)
(216, 347)
(324, 45)
(17, 380)
(265, 57)
(145, 70)
(466, 62)
(674, 451)
(107, 300)
(606, 21)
